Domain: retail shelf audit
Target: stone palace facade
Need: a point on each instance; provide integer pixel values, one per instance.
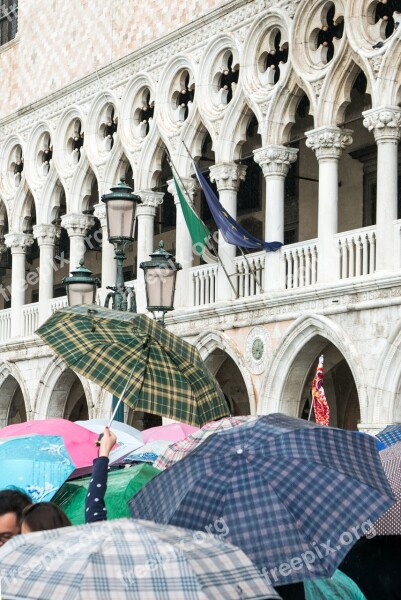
(291, 108)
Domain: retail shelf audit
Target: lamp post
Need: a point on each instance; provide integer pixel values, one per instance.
(120, 214)
(160, 277)
(81, 286)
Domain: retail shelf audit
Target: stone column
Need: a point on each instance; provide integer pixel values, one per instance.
(46, 236)
(145, 214)
(228, 177)
(385, 122)
(77, 226)
(183, 242)
(109, 264)
(328, 144)
(18, 242)
(275, 162)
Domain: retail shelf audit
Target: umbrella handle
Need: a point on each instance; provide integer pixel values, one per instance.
(99, 439)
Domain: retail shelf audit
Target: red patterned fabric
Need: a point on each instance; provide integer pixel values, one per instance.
(320, 405)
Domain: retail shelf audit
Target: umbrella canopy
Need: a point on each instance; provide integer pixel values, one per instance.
(166, 375)
(122, 484)
(128, 438)
(148, 453)
(179, 450)
(285, 489)
(390, 435)
(390, 522)
(127, 559)
(38, 464)
(172, 432)
(79, 441)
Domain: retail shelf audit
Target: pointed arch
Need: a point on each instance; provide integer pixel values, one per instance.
(275, 396)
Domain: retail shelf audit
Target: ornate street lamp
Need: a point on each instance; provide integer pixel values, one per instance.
(160, 276)
(81, 286)
(120, 213)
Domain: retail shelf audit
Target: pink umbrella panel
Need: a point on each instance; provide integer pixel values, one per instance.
(80, 443)
(172, 432)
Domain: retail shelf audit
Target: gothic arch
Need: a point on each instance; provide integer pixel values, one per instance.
(387, 382)
(216, 340)
(10, 383)
(275, 395)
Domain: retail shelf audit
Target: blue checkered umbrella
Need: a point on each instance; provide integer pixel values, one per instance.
(390, 435)
(127, 560)
(295, 495)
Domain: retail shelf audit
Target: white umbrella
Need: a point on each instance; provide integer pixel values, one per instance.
(129, 439)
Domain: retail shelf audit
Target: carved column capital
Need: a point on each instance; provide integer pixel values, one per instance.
(100, 213)
(77, 224)
(46, 234)
(328, 142)
(385, 122)
(227, 176)
(150, 201)
(191, 187)
(18, 242)
(275, 160)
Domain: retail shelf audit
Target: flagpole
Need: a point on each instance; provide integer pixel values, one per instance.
(210, 239)
(251, 269)
(311, 408)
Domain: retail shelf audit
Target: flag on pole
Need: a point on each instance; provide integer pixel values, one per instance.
(200, 234)
(231, 231)
(319, 402)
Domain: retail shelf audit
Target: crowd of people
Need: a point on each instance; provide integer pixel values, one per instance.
(370, 571)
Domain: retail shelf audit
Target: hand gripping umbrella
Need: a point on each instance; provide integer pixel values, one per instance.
(162, 374)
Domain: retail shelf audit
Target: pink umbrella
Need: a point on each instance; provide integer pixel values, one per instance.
(173, 432)
(79, 441)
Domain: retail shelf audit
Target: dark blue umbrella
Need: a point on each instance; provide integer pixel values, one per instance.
(390, 435)
(295, 496)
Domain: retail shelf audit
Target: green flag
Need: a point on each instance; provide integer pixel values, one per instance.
(198, 231)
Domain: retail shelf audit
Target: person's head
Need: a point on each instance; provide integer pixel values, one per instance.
(12, 504)
(41, 516)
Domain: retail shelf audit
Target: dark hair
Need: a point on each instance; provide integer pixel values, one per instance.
(44, 515)
(13, 501)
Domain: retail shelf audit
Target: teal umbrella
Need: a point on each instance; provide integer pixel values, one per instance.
(121, 485)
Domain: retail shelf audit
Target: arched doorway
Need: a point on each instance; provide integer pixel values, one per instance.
(231, 381)
(339, 385)
(12, 405)
(68, 398)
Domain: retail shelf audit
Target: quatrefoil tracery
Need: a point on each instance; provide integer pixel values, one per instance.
(386, 18)
(45, 155)
(17, 165)
(76, 141)
(183, 97)
(144, 114)
(275, 58)
(108, 128)
(228, 79)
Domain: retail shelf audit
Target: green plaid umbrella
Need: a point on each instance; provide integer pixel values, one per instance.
(166, 375)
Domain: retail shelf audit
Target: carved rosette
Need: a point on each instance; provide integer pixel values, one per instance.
(188, 186)
(77, 224)
(275, 161)
(150, 201)
(46, 234)
(328, 142)
(227, 176)
(18, 242)
(385, 122)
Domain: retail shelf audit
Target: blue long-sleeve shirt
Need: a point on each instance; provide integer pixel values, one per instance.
(95, 508)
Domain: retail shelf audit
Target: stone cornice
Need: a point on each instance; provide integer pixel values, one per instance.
(227, 176)
(328, 142)
(232, 16)
(275, 161)
(18, 242)
(385, 122)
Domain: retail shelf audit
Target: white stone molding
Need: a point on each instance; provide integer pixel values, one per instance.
(328, 142)
(18, 242)
(132, 132)
(275, 161)
(385, 122)
(65, 157)
(168, 114)
(46, 234)
(12, 154)
(77, 224)
(40, 140)
(227, 176)
(97, 145)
